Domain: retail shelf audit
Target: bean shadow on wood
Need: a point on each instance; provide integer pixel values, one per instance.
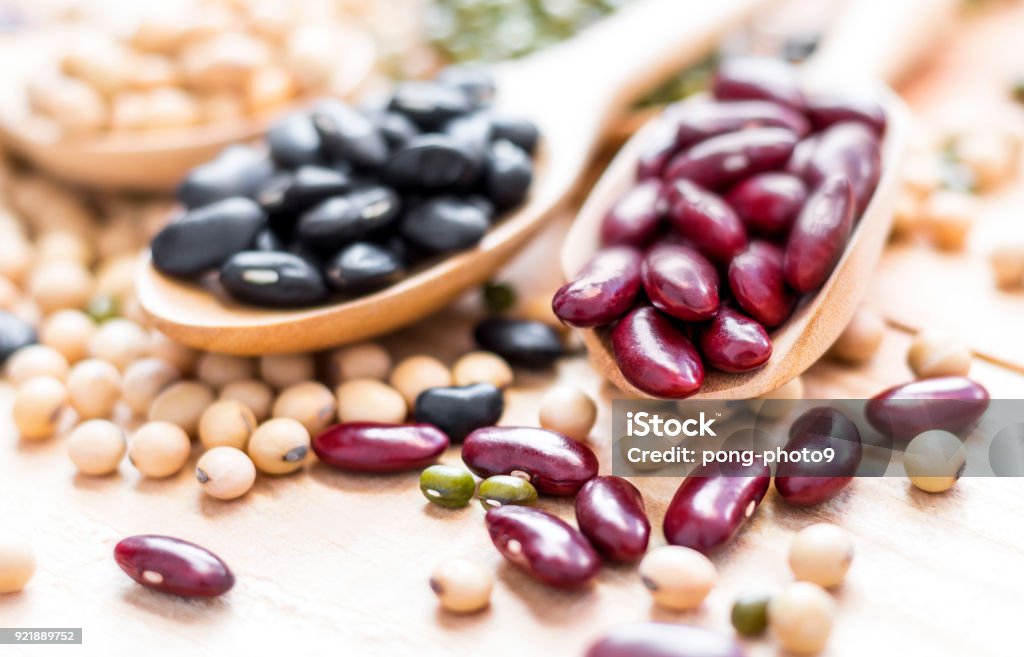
(548, 606)
(365, 483)
(182, 610)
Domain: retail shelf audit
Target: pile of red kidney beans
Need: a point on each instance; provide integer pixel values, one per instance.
(743, 203)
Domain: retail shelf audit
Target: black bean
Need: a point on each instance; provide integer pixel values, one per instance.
(349, 135)
(473, 132)
(363, 267)
(267, 240)
(378, 205)
(432, 161)
(273, 278)
(484, 203)
(522, 132)
(522, 342)
(509, 174)
(397, 128)
(457, 411)
(430, 105)
(306, 187)
(293, 142)
(474, 80)
(331, 224)
(444, 223)
(237, 171)
(204, 238)
(15, 333)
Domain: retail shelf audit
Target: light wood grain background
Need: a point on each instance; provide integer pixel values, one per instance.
(337, 564)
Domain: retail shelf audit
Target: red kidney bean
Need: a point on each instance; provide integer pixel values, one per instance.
(665, 640)
(728, 158)
(851, 150)
(826, 111)
(768, 202)
(705, 219)
(604, 290)
(819, 235)
(544, 546)
(733, 342)
(702, 120)
(655, 356)
(758, 78)
(171, 565)
(800, 161)
(635, 218)
(804, 483)
(950, 403)
(659, 146)
(712, 503)
(380, 447)
(681, 282)
(758, 284)
(553, 463)
(610, 512)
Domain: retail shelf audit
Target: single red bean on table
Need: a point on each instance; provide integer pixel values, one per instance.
(704, 219)
(820, 235)
(542, 545)
(380, 447)
(851, 150)
(804, 483)
(723, 160)
(757, 281)
(950, 403)
(171, 565)
(713, 503)
(758, 78)
(610, 512)
(665, 640)
(680, 282)
(827, 110)
(700, 121)
(553, 463)
(635, 219)
(768, 203)
(603, 291)
(656, 356)
(733, 342)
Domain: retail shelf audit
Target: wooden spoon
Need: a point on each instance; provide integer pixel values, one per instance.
(154, 160)
(572, 91)
(870, 39)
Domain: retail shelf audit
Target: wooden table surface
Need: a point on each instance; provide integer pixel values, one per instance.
(334, 563)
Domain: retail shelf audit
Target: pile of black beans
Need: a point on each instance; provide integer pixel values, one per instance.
(344, 201)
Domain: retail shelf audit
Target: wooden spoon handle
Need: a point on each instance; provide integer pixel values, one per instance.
(880, 40)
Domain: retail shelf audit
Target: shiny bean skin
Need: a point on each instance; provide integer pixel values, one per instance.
(820, 235)
(705, 219)
(757, 281)
(949, 403)
(800, 160)
(713, 503)
(729, 158)
(733, 342)
(604, 290)
(380, 447)
(758, 78)
(273, 278)
(553, 463)
(659, 145)
(664, 640)
(543, 546)
(849, 149)
(768, 203)
(204, 238)
(656, 356)
(610, 512)
(681, 282)
(635, 218)
(826, 111)
(700, 121)
(806, 484)
(171, 565)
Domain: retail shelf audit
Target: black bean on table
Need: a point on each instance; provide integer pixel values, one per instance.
(307, 186)
(204, 238)
(444, 223)
(237, 171)
(523, 342)
(458, 410)
(15, 333)
(363, 267)
(294, 142)
(433, 161)
(273, 278)
(349, 135)
(429, 104)
(509, 174)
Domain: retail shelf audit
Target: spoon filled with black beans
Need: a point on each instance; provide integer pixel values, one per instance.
(353, 220)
